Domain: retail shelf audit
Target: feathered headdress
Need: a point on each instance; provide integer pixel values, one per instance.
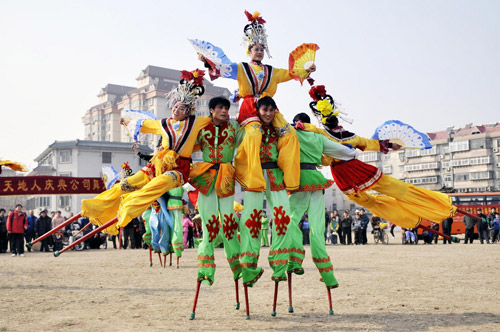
(190, 88)
(255, 32)
(323, 105)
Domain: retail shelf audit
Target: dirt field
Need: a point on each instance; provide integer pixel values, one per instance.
(382, 288)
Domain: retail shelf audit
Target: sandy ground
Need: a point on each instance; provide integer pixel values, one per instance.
(382, 288)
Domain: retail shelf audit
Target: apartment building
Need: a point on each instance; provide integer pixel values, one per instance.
(102, 121)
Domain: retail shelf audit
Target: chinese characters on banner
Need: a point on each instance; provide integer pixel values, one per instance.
(46, 185)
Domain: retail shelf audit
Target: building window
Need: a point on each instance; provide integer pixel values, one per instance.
(459, 146)
(387, 169)
(44, 201)
(64, 201)
(369, 156)
(106, 157)
(64, 173)
(65, 156)
(412, 153)
(429, 152)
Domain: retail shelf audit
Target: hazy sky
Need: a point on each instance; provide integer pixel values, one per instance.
(429, 63)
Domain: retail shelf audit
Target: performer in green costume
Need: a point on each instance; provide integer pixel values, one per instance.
(214, 178)
(309, 197)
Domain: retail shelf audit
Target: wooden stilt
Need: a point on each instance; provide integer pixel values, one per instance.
(55, 229)
(198, 284)
(170, 259)
(330, 300)
(447, 237)
(290, 308)
(159, 256)
(178, 262)
(150, 256)
(245, 288)
(237, 306)
(275, 299)
(164, 261)
(89, 235)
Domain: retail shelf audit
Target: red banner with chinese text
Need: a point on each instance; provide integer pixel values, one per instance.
(46, 185)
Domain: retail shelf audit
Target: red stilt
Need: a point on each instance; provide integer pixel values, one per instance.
(159, 256)
(84, 227)
(120, 239)
(330, 300)
(178, 262)
(237, 306)
(164, 261)
(150, 256)
(245, 288)
(198, 284)
(290, 308)
(447, 237)
(170, 259)
(89, 235)
(469, 214)
(52, 231)
(275, 299)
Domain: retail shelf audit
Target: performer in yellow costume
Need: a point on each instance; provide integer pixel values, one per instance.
(168, 169)
(402, 203)
(255, 80)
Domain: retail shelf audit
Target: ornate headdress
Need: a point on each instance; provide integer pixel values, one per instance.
(126, 169)
(190, 88)
(323, 105)
(255, 32)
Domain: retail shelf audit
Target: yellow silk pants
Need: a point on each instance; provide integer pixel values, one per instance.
(405, 204)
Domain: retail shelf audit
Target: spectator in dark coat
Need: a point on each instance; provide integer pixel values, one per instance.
(345, 223)
(447, 229)
(42, 226)
(364, 225)
(469, 223)
(17, 223)
(3, 232)
(482, 227)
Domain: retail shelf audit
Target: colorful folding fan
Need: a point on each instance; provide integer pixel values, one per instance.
(300, 60)
(403, 134)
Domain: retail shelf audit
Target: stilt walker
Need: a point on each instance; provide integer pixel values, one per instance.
(274, 173)
(214, 178)
(402, 203)
(169, 168)
(310, 198)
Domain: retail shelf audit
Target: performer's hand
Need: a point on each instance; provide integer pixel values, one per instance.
(311, 69)
(122, 121)
(134, 147)
(201, 58)
(396, 146)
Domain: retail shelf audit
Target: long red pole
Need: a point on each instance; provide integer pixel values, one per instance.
(330, 300)
(275, 299)
(237, 306)
(178, 261)
(120, 239)
(245, 288)
(447, 237)
(89, 235)
(150, 256)
(469, 214)
(81, 230)
(290, 308)
(193, 314)
(52, 231)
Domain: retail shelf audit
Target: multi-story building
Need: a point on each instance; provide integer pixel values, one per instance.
(102, 121)
(79, 158)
